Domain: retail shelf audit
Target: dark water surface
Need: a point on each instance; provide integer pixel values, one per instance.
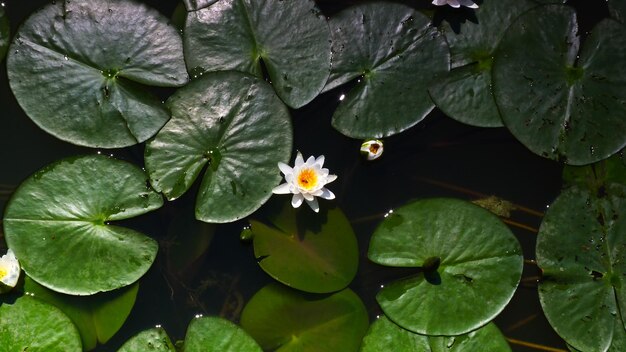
(437, 158)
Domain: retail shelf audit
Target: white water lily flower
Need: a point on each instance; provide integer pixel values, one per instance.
(9, 271)
(306, 180)
(372, 149)
(456, 3)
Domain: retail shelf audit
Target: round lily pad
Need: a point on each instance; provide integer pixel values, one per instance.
(467, 265)
(282, 319)
(79, 70)
(234, 127)
(384, 335)
(4, 32)
(57, 224)
(464, 93)
(580, 250)
(390, 53)
(154, 340)
(312, 252)
(561, 102)
(213, 334)
(28, 324)
(289, 41)
(97, 317)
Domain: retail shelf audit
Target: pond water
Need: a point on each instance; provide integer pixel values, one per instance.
(437, 158)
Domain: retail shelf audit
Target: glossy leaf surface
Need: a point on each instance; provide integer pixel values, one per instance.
(57, 223)
(282, 319)
(287, 40)
(153, 340)
(79, 70)
(390, 53)
(312, 252)
(213, 334)
(234, 128)
(467, 265)
(560, 101)
(28, 324)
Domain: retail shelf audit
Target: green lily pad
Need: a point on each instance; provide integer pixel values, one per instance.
(154, 339)
(232, 125)
(97, 317)
(393, 53)
(28, 324)
(282, 319)
(79, 70)
(212, 334)
(580, 250)
(468, 265)
(596, 176)
(56, 223)
(4, 32)
(287, 40)
(561, 102)
(384, 335)
(312, 252)
(464, 93)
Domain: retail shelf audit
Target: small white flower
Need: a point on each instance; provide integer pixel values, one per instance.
(456, 3)
(372, 149)
(306, 180)
(9, 271)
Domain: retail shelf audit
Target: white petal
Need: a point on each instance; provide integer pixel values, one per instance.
(324, 172)
(285, 188)
(308, 196)
(317, 192)
(440, 2)
(297, 199)
(468, 3)
(454, 3)
(310, 161)
(320, 161)
(327, 194)
(285, 169)
(331, 178)
(314, 205)
(299, 159)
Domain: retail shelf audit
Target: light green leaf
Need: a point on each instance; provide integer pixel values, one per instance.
(28, 324)
(393, 53)
(153, 340)
(56, 222)
(561, 102)
(464, 93)
(384, 335)
(282, 319)
(213, 334)
(468, 265)
(78, 69)
(312, 252)
(97, 317)
(289, 40)
(234, 127)
(580, 250)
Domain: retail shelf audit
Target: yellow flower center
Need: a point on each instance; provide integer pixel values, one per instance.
(307, 178)
(3, 273)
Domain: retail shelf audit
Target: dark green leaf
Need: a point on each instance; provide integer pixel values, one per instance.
(393, 53)
(580, 250)
(465, 92)
(384, 335)
(313, 252)
(57, 224)
(285, 320)
(233, 126)
(468, 265)
(28, 324)
(596, 177)
(77, 69)
(287, 40)
(617, 9)
(97, 317)
(212, 334)
(153, 340)
(561, 102)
